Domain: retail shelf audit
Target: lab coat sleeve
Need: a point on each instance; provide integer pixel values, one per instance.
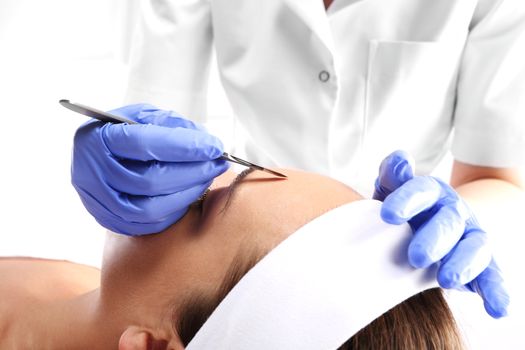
(170, 59)
(490, 112)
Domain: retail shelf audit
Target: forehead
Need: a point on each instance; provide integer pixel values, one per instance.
(266, 205)
(306, 190)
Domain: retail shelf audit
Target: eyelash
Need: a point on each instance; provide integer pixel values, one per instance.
(200, 202)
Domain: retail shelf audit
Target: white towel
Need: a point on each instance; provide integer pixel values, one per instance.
(320, 286)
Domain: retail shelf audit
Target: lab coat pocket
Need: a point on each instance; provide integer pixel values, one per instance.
(411, 88)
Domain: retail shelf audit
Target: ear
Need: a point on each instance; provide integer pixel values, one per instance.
(139, 338)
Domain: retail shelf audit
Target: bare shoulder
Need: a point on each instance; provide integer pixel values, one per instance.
(29, 278)
(27, 282)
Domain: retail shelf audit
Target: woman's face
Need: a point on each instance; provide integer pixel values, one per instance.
(237, 217)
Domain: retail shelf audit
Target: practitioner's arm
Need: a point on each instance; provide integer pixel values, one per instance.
(494, 194)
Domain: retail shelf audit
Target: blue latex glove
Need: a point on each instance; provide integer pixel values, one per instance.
(445, 231)
(140, 179)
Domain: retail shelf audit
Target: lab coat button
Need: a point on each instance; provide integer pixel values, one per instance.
(324, 76)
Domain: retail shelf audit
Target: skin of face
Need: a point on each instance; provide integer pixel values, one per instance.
(143, 279)
(193, 255)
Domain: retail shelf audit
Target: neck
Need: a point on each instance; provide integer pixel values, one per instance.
(76, 323)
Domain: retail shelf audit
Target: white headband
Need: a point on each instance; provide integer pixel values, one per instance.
(320, 286)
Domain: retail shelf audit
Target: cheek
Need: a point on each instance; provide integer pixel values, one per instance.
(205, 257)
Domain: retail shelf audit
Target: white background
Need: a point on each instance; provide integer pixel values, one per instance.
(50, 50)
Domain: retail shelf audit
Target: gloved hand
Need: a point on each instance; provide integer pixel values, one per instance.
(445, 231)
(140, 179)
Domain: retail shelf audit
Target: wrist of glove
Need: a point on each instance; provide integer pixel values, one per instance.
(445, 231)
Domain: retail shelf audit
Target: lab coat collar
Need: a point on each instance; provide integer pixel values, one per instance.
(313, 14)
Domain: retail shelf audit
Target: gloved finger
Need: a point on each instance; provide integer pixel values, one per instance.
(412, 198)
(153, 142)
(490, 286)
(144, 209)
(396, 169)
(147, 228)
(436, 237)
(116, 224)
(144, 113)
(160, 178)
(466, 261)
(169, 119)
(133, 111)
(155, 209)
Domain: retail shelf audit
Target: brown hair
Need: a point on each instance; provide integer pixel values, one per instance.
(422, 322)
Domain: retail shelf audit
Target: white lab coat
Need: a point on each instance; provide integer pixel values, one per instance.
(335, 92)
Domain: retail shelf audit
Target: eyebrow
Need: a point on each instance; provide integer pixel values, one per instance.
(234, 185)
